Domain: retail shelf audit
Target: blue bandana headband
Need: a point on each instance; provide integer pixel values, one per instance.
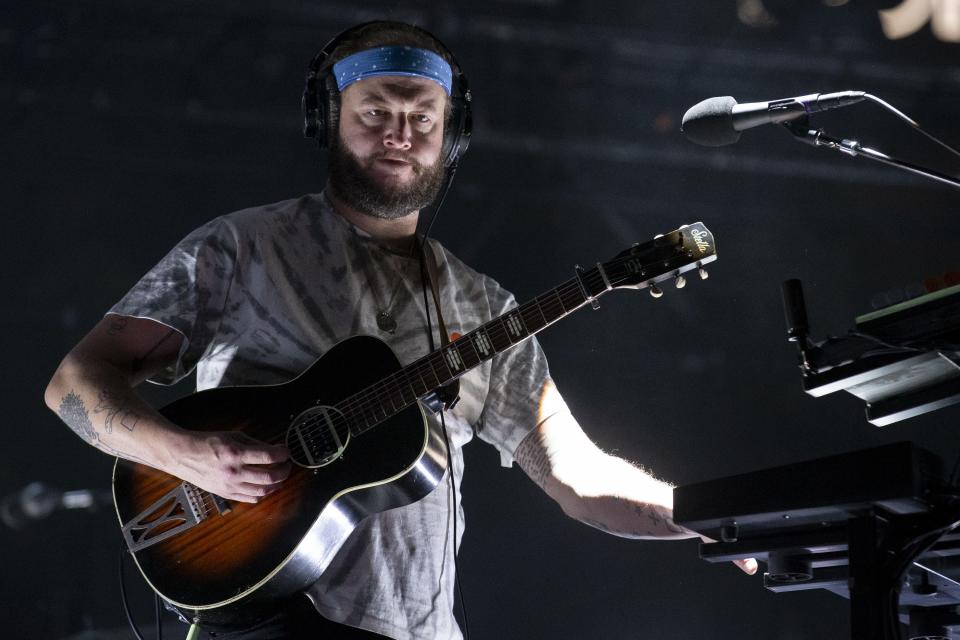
(393, 61)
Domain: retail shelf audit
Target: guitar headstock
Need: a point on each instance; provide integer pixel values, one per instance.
(666, 257)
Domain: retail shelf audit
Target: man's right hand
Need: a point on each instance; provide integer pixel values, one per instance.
(92, 392)
(231, 464)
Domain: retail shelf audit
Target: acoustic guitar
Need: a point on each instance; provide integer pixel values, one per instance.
(360, 443)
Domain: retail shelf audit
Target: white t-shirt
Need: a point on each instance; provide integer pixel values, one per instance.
(261, 293)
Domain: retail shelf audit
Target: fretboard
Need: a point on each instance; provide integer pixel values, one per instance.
(391, 395)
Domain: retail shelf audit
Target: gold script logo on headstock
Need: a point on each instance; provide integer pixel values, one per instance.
(697, 235)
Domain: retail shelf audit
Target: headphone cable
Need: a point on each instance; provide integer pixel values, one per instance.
(452, 170)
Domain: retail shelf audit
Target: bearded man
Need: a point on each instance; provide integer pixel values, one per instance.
(256, 296)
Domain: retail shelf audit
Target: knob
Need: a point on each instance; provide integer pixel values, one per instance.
(681, 282)
(703, 274)
(656, 291)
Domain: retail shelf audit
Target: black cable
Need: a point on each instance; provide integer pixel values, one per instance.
(157, 611)
(910, 121)
(123, 595)
(443, 423)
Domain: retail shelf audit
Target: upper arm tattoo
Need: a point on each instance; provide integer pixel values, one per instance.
(74, 414)
(533, 458)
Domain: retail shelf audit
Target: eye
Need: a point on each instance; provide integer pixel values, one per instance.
(373, 113)
(422, 118)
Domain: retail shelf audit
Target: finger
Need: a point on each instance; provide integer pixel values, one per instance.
(748, 565)
(264, 453)
(241, 497)
(265, 475)
(257, 491)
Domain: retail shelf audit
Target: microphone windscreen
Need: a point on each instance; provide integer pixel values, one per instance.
(710, 122)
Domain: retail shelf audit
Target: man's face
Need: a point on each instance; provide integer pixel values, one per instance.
(386, 162)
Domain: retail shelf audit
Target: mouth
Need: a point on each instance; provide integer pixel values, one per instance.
(396, 162)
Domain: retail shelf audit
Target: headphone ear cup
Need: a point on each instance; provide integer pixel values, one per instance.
(456, 138)
(330, 119)
(308, 105)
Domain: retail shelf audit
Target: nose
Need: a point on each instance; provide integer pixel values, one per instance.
(398, 133)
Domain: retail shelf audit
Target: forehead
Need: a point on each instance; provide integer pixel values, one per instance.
(407, 89)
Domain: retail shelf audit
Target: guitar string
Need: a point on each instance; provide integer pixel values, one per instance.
(423, 364)
(555, 305)
(395, 389)
(371, 401)
(364, 403)
(365, 400)
(397, 386)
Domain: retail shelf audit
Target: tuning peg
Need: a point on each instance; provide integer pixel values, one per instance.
(656, 291)
(704, 274)
(681, 282)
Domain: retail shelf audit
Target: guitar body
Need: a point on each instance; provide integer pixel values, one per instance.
(241, 556)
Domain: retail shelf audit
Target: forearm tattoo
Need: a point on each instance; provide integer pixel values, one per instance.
(657, 519)
(74, 414)
(533, 459)
(116, 413)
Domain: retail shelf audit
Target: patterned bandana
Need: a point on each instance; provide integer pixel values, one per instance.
(393, 61)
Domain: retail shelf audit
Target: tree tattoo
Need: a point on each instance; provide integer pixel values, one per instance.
(74, 414)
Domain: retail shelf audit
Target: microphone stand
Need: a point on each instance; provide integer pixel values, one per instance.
(800, 129)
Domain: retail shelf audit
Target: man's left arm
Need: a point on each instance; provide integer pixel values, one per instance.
(598, 489)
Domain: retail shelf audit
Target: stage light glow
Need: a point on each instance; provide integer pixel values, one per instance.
(912, 15)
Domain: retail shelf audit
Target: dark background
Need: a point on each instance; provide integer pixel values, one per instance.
(128, 123)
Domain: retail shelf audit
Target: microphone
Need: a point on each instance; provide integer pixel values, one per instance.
(37, 501)
(718, 121)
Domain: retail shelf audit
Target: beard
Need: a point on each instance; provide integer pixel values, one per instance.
(352, 183)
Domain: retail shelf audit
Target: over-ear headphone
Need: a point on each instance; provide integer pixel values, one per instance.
(321, 98)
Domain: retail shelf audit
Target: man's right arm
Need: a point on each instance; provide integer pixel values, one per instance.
(92, 391)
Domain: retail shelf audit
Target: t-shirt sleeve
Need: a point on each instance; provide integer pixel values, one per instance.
(187, 291)
(515, 402)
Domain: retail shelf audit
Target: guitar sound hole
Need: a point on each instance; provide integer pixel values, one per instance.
(318, 436)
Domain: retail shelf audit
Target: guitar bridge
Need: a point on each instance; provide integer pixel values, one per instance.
(179, 509)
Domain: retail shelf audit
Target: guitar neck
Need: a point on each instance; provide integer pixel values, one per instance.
(384, 399)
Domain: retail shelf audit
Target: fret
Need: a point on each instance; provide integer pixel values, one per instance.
(432, 369)
(468, 352)
(412, 380)
(543, 317)
(388, 402)
(411, 385)
(563, 307)
(530, 320)
(549, 300)
(436, 358)
(368, 417)
(572, 296)
(501, 338)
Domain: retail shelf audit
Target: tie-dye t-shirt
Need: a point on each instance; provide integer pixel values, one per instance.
(261, 293)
